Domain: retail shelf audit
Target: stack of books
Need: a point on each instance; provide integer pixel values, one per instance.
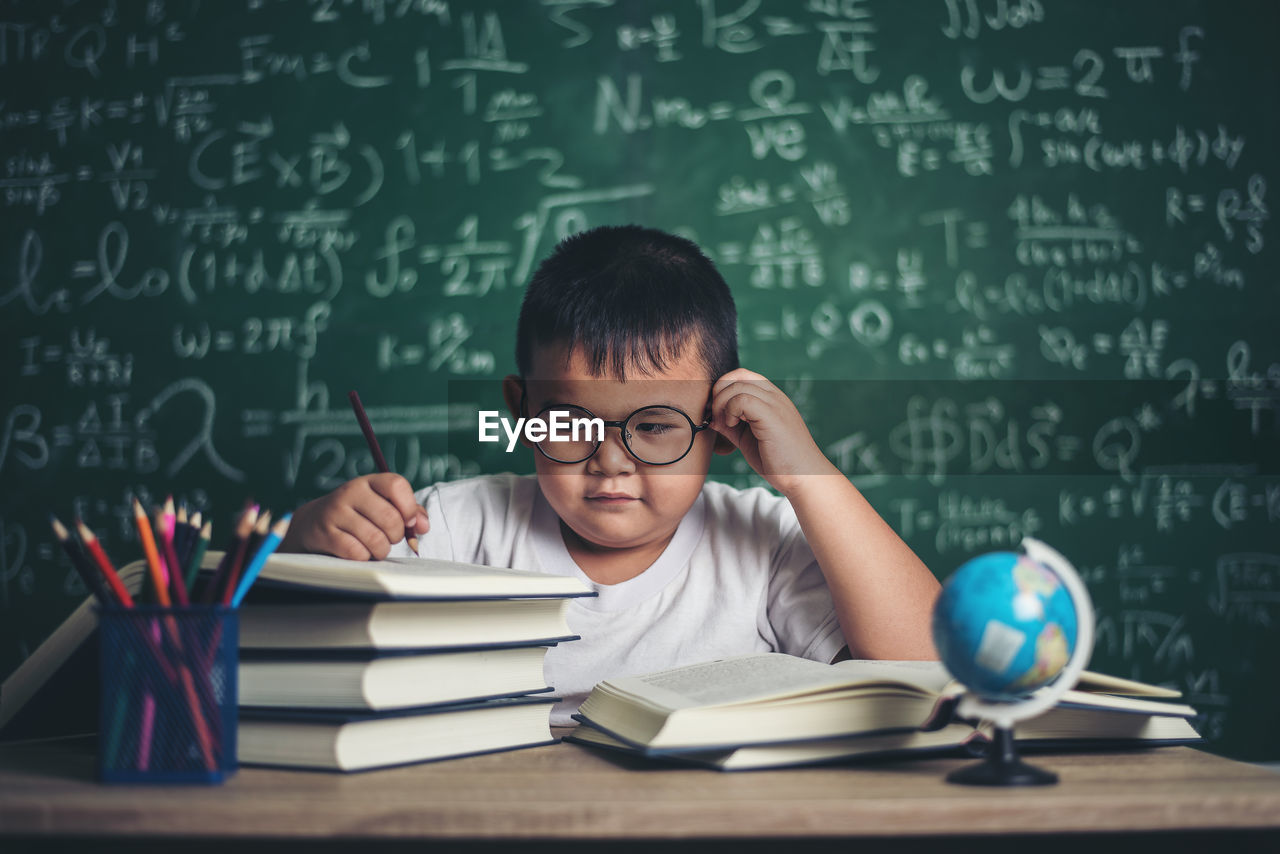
(350, 665)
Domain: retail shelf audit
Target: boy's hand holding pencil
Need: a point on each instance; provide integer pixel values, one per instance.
(363, 518)
(359, 520)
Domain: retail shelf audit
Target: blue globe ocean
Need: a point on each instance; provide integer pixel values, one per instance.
(1004, 625)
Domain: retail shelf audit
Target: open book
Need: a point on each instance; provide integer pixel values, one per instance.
(774, 698)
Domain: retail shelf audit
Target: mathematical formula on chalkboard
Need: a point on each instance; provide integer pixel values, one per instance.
(1013, 260)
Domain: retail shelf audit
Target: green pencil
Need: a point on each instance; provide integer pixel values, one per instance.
(197, 554)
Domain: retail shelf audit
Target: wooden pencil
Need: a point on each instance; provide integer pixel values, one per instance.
(379, 460)
(182, 535)
(260, 529)
(198, 547)
(367, 429)
(234, 554)
(255, 539)
(153, 557)
(264, 551)
(92, 580)
(99, 556)
(177, 586)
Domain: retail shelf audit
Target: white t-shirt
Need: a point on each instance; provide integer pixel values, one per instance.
(737, 577)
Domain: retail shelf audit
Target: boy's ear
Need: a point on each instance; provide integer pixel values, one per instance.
(512, 391)
(512, 394)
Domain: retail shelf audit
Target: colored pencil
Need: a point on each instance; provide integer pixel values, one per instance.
(80, 563)
(264, 551)
(260, 530)
(194, 524)
(203, 734)
(181, 534)
(146, 730)
(367, 429)
(168, 518)
(108, 571)
(224, 584)
(379, 460)
(199, 547)
(177, 586)
(165, 525)
(153, 557)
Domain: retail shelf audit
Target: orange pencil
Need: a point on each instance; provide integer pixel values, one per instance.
(108, 571)
(153, 557)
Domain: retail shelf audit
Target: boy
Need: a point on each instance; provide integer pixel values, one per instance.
(637, 327)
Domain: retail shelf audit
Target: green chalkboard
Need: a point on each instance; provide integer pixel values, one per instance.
(1013, 259)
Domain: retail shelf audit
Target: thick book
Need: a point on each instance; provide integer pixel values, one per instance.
(380, 681)
(407, 578)
(406, 624)
(771, 697)
(357, 742)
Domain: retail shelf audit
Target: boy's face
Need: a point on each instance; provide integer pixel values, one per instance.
(613, 500)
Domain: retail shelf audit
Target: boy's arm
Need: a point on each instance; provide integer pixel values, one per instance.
(883, 593)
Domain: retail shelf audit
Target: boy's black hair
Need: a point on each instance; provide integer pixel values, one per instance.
(627, 296)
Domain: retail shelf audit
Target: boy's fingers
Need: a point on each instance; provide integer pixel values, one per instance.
(736, 403)
(399, 493)
(382, 516)
(763, 390)
(344, 545)
(736, 375)
(368, 535)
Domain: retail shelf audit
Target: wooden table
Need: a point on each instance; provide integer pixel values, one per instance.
(565, 793)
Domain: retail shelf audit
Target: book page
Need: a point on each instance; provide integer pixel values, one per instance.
(732, 680)
(1107, 684)
(928, 676)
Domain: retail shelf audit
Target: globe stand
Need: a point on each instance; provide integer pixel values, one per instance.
(1002, 767)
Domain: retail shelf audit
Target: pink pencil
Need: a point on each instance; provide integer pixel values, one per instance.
(146, 730)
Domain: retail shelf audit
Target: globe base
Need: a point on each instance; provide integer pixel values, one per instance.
(1002, 767)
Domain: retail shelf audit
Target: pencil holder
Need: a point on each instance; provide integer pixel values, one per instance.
(167, 710)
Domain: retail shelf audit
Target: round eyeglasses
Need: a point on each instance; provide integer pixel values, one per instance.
(655, 435)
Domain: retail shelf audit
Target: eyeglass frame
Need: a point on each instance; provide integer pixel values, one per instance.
(696, 428)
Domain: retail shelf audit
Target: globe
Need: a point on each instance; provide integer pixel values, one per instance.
(1004, 625)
